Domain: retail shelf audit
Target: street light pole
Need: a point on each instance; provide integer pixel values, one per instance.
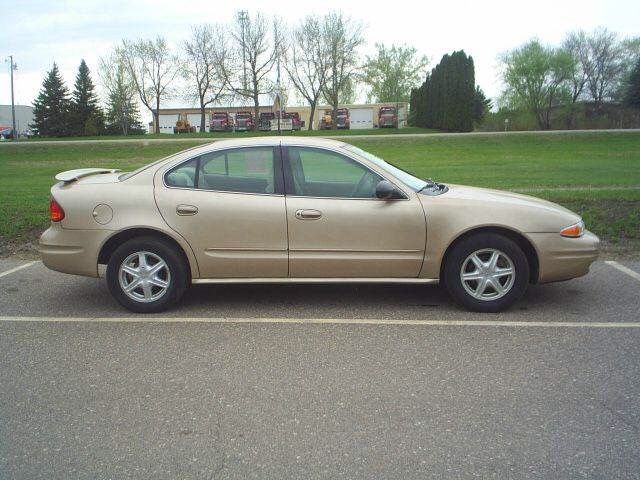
(13, 67)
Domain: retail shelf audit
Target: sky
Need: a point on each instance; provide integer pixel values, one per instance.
(37, 33)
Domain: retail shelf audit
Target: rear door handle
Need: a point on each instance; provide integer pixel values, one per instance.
(186, 209)
(308, 214)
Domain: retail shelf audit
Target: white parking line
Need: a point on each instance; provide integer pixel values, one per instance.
(15, 269)
(624, 269)
(338, 321)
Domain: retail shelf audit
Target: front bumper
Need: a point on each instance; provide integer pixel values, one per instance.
(72, 251)
(562, 258)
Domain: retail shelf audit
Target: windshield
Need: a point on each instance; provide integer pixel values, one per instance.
(412, 182)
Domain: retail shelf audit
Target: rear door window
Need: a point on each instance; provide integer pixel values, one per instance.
(243, 170)
(246, 170)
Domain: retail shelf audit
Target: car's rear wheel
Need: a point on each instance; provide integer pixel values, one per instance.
(486, 272)
(146, 275)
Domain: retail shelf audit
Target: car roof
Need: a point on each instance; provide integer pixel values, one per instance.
(268, 140)
(320, 142)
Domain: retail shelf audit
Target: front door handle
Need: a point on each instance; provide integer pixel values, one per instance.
(186, 209)
(308, 214)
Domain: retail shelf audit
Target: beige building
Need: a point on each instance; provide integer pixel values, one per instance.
(363, 115)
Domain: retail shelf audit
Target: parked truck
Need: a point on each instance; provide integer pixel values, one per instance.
(326, 121)
(183, 125)
(296, 123)
(221, 122)
(343, 121)
(388, 117)
(264, 124)
(244, 122)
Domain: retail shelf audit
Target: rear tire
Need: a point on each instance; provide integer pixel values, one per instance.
(147, 275)
(486, 272)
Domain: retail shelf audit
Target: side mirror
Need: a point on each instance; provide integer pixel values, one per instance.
(385, 190)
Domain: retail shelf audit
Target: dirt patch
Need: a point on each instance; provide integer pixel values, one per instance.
(25, 246)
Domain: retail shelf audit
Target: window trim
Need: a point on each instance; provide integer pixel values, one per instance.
(289, 184)
(278, 175)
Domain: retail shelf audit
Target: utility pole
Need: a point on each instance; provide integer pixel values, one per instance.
(12, 67)
(278, 52)
(243, 17)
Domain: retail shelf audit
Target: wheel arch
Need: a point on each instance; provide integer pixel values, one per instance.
(520, 239)
(114, 241)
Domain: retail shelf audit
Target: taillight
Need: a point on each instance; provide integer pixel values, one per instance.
(56, 213)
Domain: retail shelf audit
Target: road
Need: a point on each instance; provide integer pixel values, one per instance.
(178, 139)
(342, 381)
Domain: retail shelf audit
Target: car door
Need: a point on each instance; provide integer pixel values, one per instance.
(230, 206)
(339, 228)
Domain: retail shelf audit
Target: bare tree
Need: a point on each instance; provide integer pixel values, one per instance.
(307, 62)
(605, 64)
(255, 57)
(576, 44)
(206, 54)
(342, 37)
(152, 68)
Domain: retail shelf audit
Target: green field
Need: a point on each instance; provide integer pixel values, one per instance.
(596, 174)
(218, 135)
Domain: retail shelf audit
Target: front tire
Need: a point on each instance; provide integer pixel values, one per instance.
(486, 272)
(146, 275)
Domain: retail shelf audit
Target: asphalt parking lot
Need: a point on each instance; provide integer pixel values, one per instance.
(312, 381)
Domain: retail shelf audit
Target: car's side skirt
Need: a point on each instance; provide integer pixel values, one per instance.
(315, 280)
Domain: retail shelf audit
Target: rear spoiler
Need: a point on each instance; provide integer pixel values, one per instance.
(73, 175)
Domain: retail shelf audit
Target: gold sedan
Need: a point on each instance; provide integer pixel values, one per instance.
(282, 209)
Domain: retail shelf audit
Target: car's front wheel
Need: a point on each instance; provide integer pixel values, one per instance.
(486, 272)
(146, 275)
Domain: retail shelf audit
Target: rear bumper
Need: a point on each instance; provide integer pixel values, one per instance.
(72, 251)
(563, 258)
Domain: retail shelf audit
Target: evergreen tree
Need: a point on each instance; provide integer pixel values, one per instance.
(123, 116)
(86, 116)
(481, 105)
(446, 100)
(632, 93)
(51, 107)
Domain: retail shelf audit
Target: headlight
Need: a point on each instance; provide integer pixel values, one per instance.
(573, 231)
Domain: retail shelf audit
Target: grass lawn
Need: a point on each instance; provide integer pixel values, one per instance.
(216, 135)
(594, 174)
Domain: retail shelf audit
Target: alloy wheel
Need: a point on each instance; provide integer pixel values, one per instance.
(144, 276)
(487, 274)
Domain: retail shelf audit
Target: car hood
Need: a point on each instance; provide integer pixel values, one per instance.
(475, 207)
(501, 196)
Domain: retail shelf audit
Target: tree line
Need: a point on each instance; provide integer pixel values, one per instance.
(596, 67)
(250, 58)
(58, 113)
(318, 60)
